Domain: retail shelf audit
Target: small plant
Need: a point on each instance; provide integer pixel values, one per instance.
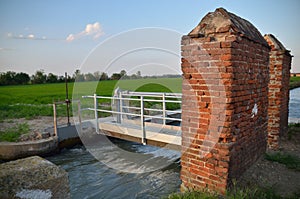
(13, 134)
(294, 129)
(193, 195)
(294, 125)
(290, 161)
(235, 193)
(252, 191)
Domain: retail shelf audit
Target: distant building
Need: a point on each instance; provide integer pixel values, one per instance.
(295, 74)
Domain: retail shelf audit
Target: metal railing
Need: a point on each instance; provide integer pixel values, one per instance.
(132, 106)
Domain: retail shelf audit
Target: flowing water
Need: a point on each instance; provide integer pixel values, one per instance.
(90, 178)
(294, 106)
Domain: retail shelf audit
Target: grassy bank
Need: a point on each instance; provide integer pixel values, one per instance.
(235, 193)
(13, 134)
(294, 82)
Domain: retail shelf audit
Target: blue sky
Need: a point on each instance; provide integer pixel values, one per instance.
(58, 35)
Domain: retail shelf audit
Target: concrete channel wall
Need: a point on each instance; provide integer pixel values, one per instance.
(15, 150)
(67, 137)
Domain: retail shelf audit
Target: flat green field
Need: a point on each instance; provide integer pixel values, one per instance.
(30, 101)
(294, 82)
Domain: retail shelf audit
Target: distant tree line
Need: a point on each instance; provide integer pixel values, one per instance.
(13, 78)
(40, 77)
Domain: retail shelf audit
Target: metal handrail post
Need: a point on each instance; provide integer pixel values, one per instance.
(54, 119)
(79, 117)
(143, 122)
(164, 108)
(119, 108)
(96, 112)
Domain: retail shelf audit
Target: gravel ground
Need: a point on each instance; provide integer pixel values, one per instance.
(283, 181)
(37, 126)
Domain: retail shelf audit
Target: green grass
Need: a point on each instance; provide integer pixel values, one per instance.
(290, 161)
(235, 193)
(193, 195)
(294, 125)
(29, 101)
(294, 82)
(294, 130)
(13, 134)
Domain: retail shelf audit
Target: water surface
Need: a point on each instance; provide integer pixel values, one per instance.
(89, 178)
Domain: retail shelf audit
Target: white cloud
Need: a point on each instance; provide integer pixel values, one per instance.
(6, 49)
(94, 30)
(29, 36)
(70, 37)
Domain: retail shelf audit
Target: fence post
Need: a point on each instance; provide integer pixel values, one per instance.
(96, 112)
(54, 119)
(164, 108)
(79, 117)
(119, 107)
(143, 122)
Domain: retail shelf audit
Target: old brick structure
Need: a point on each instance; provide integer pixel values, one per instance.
(225, 64)
(280, 65)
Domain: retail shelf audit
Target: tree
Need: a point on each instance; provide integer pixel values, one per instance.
(78, 76)
(133, 76)
(139, 74)
(61, 79)
(116, 76)
(89, 77)
(123, 73)
(2, 79)
(51, 78)
(103, 76)
(13, 78)
(39, 77)
(97, 75)
(22, 78)
(7, 78)
(77, 72)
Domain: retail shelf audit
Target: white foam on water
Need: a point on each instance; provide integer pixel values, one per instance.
(34, 194)
(294, 120)
(159, 152)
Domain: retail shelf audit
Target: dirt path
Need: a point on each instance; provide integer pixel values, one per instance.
(282, 180)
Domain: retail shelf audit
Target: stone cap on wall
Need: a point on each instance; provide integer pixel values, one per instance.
(222, 21)
(275, 44)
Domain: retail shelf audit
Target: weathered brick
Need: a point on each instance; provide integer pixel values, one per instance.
(229, 87)
(279, 68)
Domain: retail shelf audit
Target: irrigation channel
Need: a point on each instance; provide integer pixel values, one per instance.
(90, 178)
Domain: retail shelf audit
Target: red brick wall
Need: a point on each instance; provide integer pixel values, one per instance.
(225, 103)
(280, 64)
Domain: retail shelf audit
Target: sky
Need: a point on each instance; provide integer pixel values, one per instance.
(60, 36)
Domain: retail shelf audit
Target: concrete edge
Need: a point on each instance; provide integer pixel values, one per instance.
(15, 150)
